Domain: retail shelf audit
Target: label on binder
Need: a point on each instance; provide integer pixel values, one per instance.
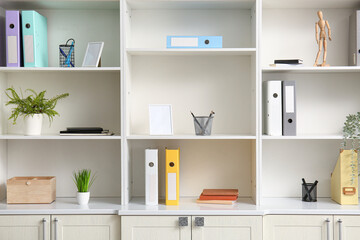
(29, 48)
(12, 49)
(290, 99)
(171, 186)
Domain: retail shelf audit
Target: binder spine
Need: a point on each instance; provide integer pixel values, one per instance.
(194, 42)
(289, 108)
(172, 176)
(13, 37)
(273, 108)
(151, 177)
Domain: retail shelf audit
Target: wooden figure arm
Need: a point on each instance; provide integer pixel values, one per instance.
(317, 32)
(329, 29)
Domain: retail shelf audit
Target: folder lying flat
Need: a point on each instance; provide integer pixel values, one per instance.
(289, 108)
(194, 42)
(172, 176)
(13, 39)
(35, 45)
(272, 98)
(151, 177)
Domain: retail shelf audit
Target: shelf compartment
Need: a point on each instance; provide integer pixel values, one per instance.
(84, 107)
(203, 164)
(191, 137)
(224, 84)
(61, 158)
(285, 163)
(191, 4)
(57, 137)
(62, 4)
(323, 101)
(148, 30)
(284, 39)
(319, 4)
(195, 52)
(60, 70)
(87, 28)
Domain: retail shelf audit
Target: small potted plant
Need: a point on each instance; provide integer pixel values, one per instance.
(32, 107)
(83, 181)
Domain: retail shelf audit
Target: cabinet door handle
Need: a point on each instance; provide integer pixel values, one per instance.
(183, 221)
(327, 229)
(55, 228)
(340, 229)
(44, 228)
(199, 221)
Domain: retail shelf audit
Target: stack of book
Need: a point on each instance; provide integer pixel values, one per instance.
(287, 63)
(219, 196)
(85, 131)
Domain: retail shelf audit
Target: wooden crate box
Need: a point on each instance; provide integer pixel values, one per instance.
(31, 190)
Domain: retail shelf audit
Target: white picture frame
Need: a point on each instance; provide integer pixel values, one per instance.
(160, 119)
(93, 54)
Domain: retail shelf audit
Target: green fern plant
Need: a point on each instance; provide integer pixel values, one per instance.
(83, 180)
(34, 103)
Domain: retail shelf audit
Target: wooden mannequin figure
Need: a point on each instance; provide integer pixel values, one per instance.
(321, 38)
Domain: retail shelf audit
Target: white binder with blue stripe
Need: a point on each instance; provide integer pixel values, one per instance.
(194, 42)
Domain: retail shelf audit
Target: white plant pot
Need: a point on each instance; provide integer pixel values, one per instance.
(33, 124)
(83, 198)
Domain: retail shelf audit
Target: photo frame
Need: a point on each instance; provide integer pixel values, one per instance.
(93, 54)
(160, 119)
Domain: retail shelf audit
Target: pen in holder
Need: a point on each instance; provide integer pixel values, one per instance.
(203, 124)
(67, 54)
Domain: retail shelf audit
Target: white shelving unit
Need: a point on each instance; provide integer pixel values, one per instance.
(139, 70)
(95, 100)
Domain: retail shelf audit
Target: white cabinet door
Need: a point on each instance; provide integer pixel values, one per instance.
(28, 227)
(85, 227)
(227, 228)
(346, 227)
(155, 228)
(298, 227)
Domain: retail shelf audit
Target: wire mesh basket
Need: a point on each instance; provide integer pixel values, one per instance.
(67, 54)
(203, 125)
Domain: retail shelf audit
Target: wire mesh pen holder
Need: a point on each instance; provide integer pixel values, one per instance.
(309, 191)
(203, 125)
(67, 54)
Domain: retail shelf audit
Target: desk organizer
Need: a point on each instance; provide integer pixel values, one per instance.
(31, 190)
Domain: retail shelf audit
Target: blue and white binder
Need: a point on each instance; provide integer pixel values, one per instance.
(194, 42)
(35, 45)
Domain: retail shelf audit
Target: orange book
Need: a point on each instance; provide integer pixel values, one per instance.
(218, 197)
(220, 192)
(224, 202)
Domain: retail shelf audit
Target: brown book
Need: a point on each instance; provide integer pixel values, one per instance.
(218, 197)
(221, 192)
(224, 202)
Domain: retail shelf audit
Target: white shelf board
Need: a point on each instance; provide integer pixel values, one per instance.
(294, 206)
(188, 206)
(312, 70)
(209, 51)
(318, 4)
(64, 206)
(191, 4)
(191, 137)
(57, 137)
(304, 137)
(60, 4)
(59, 69)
